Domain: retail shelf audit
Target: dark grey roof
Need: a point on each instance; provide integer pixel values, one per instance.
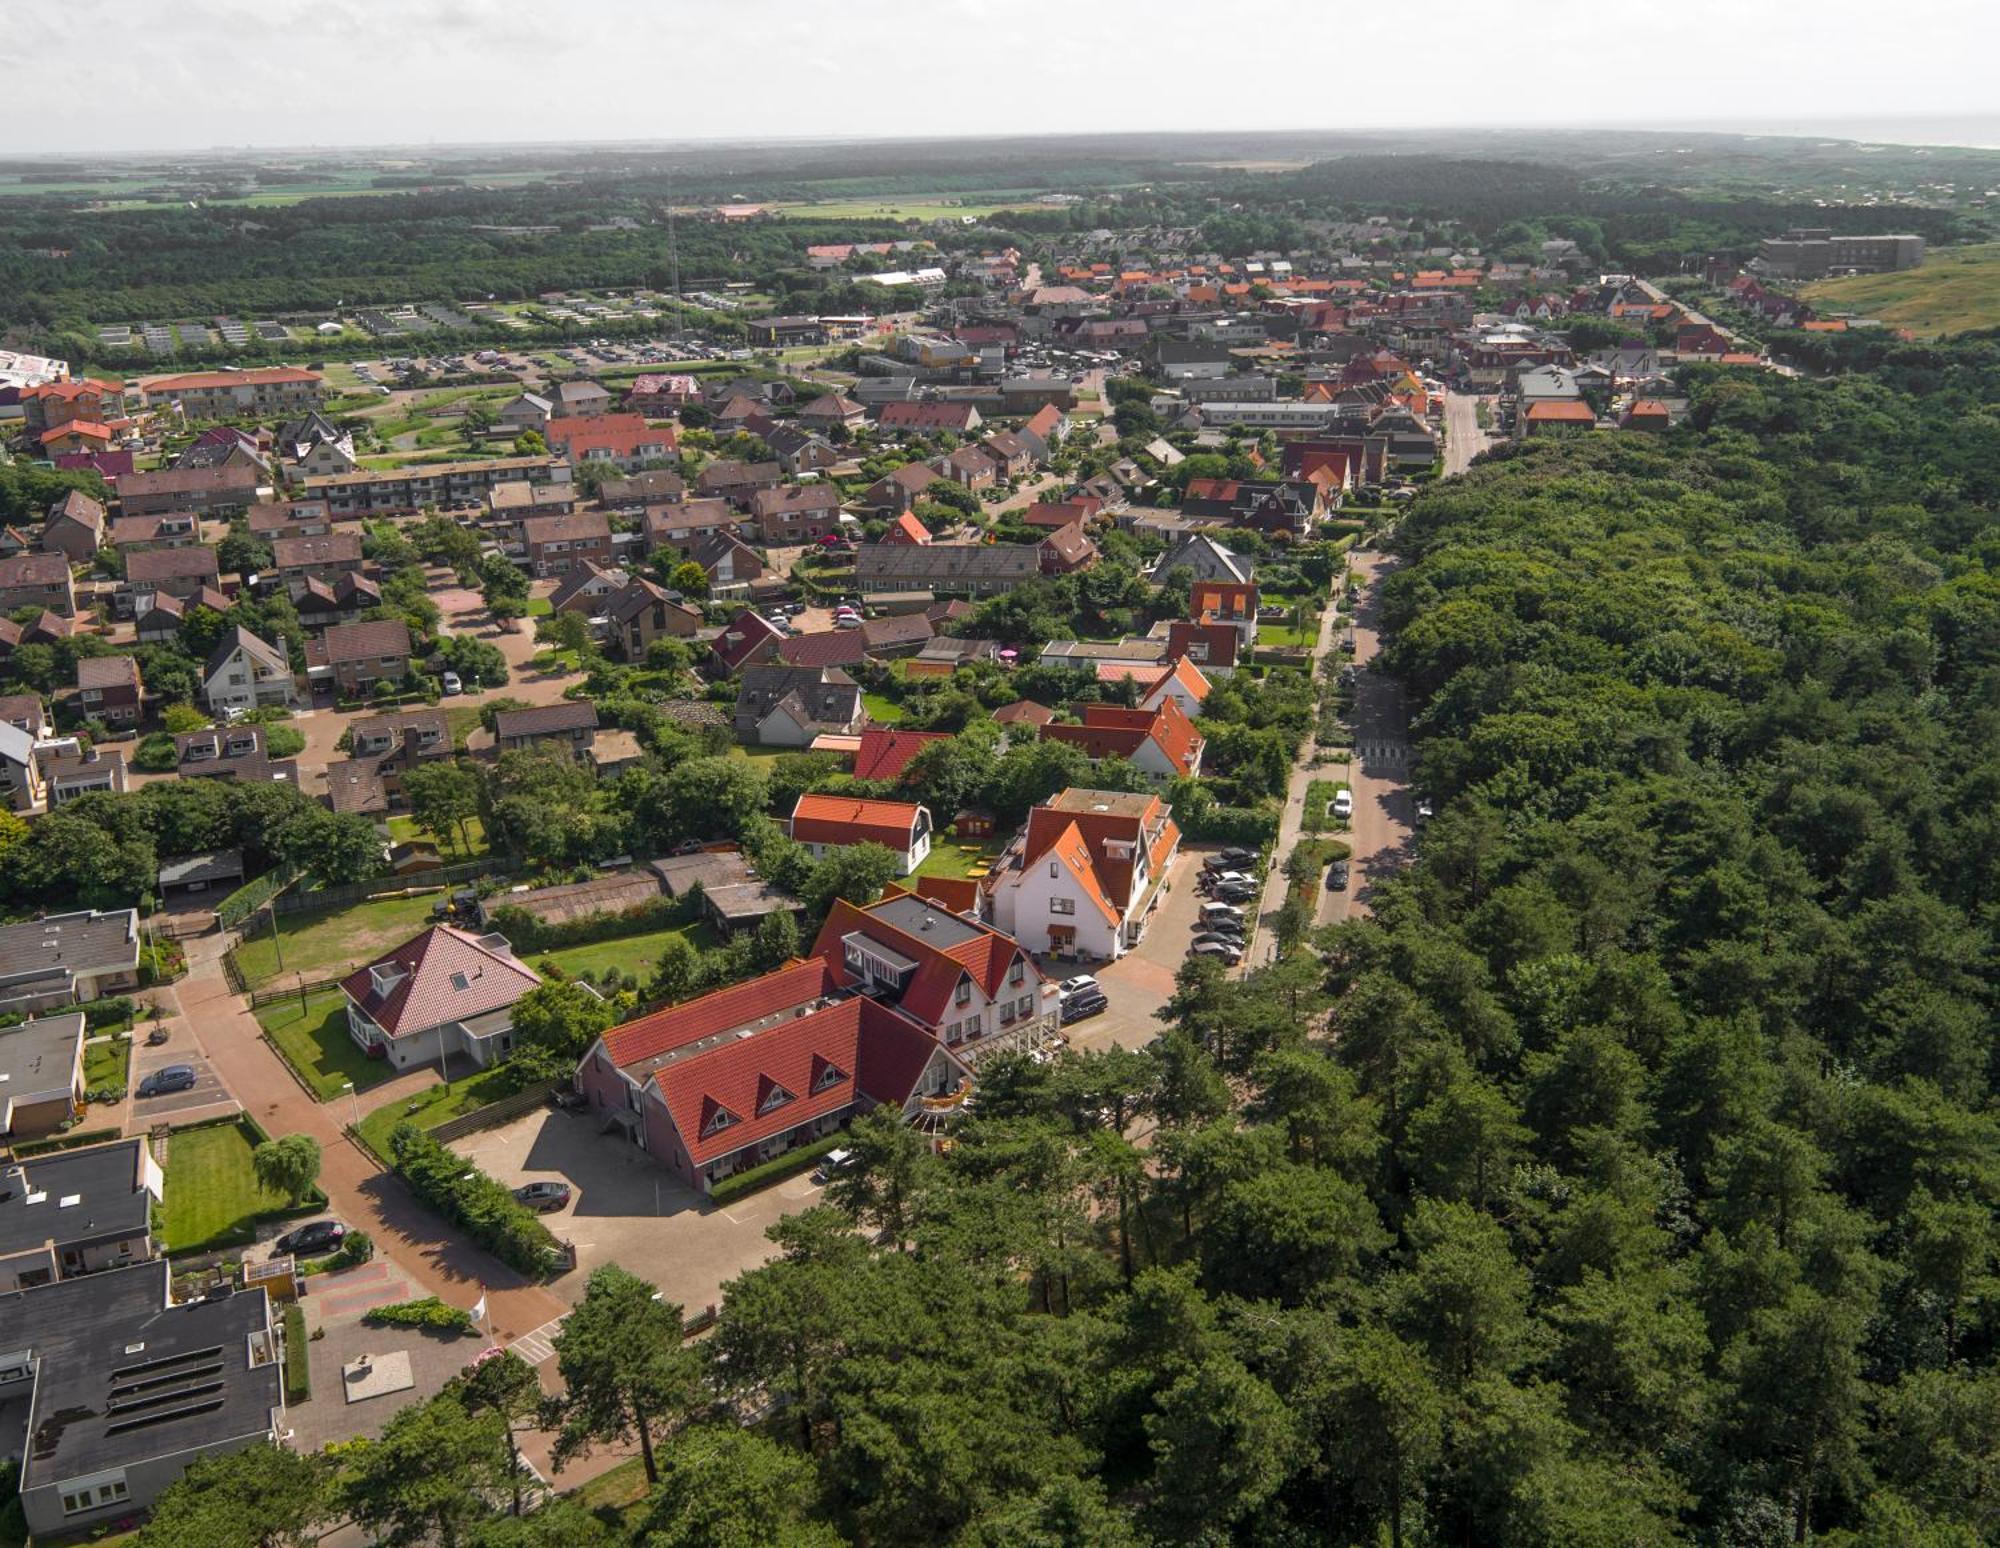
(104, 1180)
(223, 865)
(122, 1377)
(237, 636)
(84, 943)
(546, 719)
(38, 1058)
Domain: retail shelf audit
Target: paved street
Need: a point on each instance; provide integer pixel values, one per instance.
(1379, 770)
(1464, 440)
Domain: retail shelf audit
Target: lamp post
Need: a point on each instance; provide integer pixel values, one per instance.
(354, 1103)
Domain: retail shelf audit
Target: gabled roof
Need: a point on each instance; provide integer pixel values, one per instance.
(1024, 712)
(944, 951)
(236, 638)
(726, 1010)
(885, 753)
(906, 529)
(745, 635)
(829, 647)
(838, 819)
(1104, 818)
(441, 976)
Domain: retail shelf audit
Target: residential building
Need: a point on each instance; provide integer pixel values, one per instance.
(1205, 560)
(82, 400)
(357, 656)
(44, 1236)
(315, 444)
(36, 580)
(717, 1084)
(653, 486)
(297, 560)
(175, 572)
(1161, 743)
(41, 1089)
(446, 485)
(976, 569)
(827, 822)
(381, 750)
(289, 518)
(833, 411)
(256, 394)
(231, 752)
(107, 689)
(68, 959)
(571, 724)
(23, 787)
(585, 588)
(528, 411)
(166, 529)
(941, 655)
(443, 993)
(555, 544)
(1813, 253)
(26, 712)
(737, 481)
(74, 527)
(1066, 550)
(898, 490)
(518, 498)
(782, 706)
(660, 395)
(684, 523)
(70, 775)
(621, 441)
(800, 452)
(118, 1390)
(1275, 506)
(730, 564)
(586, 400)
(927, 418)
(1214, 647)
(745, 640)
(219, 491)
(641, 613)
(1227, 602)
(793, 514)
(1553, 416)
(1085, 873)
(906, 529)
(886, 752)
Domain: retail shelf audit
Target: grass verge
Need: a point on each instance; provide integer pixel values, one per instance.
(313, 1040)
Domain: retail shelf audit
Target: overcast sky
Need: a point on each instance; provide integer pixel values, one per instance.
(137, 75)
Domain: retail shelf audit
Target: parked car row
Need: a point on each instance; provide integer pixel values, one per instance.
(1080, 998)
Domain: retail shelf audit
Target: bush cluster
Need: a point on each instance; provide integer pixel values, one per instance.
(459, 1191)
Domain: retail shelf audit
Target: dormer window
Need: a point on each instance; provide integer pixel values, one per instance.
(719, 1120)
(827, 1077)
(775, 1097)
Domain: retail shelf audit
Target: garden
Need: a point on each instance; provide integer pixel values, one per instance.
(213, 1197)
(311, 1036)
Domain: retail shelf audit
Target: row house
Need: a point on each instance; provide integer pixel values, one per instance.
(220, 491)
(735, 481)
(167, 529)
(357, 656)
(290, 518)
(557, 544)
(570, 725)
(230, 752)
(155, 572)
(446, 485)
(681, 525)
(1161, 743)
(974, 569)
(74, 527)
(298, 560)
(257, 394)
(108, 689)
(794, 514)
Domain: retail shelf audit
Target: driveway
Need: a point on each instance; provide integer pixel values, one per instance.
(628, 1209)
(1139, 983)
(208, 1091)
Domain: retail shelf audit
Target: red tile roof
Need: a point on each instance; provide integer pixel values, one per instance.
(269, 377)
(740, 1005)
(446, 975)
(837, 819)
(1108, 730)
(906, 529)
(1100, 829)
(985, 957)
(885, 754)
(751, 631)
(620, 434)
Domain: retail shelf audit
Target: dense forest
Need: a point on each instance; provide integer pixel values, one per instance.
(1629, 1179)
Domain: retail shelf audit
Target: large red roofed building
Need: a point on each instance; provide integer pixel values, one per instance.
(622, 441)
(824, 822)
(885, 753)
(898, 1003)
(228, 394)
(442, 993)
(1162, 742)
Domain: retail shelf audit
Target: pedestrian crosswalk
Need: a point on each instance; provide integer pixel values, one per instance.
(1384, 752)
(539, 1345)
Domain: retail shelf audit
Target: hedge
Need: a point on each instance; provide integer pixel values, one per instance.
(100, 1012)
(777, 1169)
(429, 1312)
(298, 1368)
(463, 1194)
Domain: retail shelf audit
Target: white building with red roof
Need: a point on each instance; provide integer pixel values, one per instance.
(826, 822)
(1161, 742)
(897, 1005)
(1084, 874)
(442, 993)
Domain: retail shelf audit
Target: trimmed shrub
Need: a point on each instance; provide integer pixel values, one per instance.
(298, 1369)
(429, 1312)
(459, 1191)
(777, 1169)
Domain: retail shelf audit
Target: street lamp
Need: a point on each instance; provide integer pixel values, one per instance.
(354, 1101)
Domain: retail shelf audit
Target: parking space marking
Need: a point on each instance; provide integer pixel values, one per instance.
(539, 1344)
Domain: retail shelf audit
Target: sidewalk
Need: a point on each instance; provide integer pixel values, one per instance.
(422, 1245)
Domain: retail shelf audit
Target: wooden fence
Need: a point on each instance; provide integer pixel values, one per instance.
(494, 1113)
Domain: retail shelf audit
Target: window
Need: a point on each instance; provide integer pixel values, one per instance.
(776, 1098)
(1007, 1013)
(1055, 868)
(1062, 905)
(964, 994)
(723, 1119)
(828, 1079)
(1017, 972)
(1026, 1004)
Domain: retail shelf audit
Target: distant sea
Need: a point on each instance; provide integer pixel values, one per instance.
(1977, 131)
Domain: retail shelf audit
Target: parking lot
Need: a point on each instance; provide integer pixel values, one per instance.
(1142, 980)
(207, 1091)
(626, 1208)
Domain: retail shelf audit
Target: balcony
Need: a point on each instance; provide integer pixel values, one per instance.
(950, 1101)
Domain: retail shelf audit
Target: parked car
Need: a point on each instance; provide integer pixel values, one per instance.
(168, 1078)
(1219, 938)
(1078, 985)
(1425, 811)
(847, 621)
(1343, 805)
(1220, 879)
(1079, 1007)
(543, 1196)
(1221, 911)
(317, 1236)
(1237, 856)
(1230, 955)
(832, 1165)
(1336, 876)
(451, 684)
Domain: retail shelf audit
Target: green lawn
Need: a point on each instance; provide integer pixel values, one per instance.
(430, 1108)
(540, 607)
(947, 859)
(318, 945)
(213, 1197)
(315, 1042)
(888, 711)
(628, 954)
(404, 830)
(622, 1488)
(1957, 288)
(107, 1063)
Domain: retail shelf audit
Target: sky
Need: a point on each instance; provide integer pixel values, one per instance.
(139, 75)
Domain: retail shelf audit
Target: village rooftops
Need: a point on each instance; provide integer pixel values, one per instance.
(96, 1192)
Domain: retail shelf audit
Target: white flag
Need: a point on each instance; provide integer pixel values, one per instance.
(479, 1309)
